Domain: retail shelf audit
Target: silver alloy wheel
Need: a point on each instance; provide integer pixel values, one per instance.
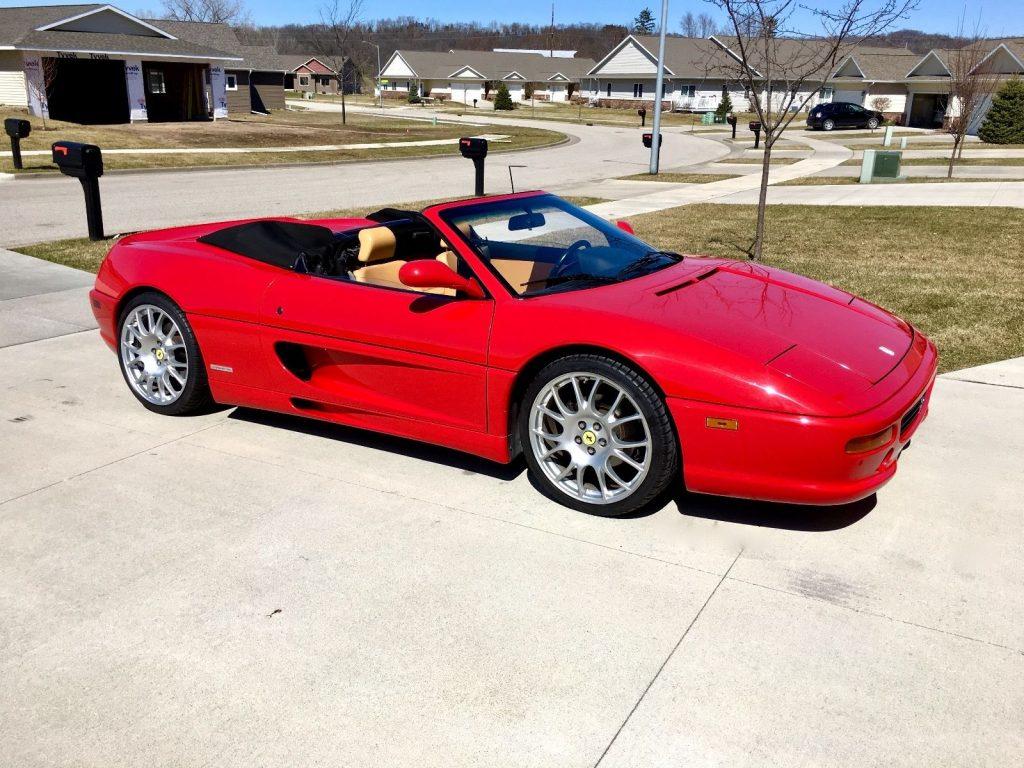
(828, 125)
(590, 438)
(153, 354)
(872, 123)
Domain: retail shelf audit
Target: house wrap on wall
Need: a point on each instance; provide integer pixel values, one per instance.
(99, 64)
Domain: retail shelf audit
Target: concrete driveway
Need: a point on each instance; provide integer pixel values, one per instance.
(52, 207)
(241, 589)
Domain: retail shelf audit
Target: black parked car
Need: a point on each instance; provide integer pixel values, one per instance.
(843, 114)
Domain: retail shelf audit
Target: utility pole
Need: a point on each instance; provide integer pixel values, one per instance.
(551, 34)
(659, 86)
(380, 94)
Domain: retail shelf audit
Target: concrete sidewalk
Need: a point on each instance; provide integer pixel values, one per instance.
(40, 300)
(982, 194)
(495, 137)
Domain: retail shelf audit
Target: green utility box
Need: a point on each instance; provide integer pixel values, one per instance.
(880, 165)
(708, 118)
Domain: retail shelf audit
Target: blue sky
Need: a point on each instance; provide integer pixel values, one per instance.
(998, 17)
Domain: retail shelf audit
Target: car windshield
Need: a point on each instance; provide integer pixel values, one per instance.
(541, 244)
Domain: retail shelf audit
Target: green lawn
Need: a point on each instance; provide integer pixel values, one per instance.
(283, 128)
(957, 273)
(758, 160)
(945, 161)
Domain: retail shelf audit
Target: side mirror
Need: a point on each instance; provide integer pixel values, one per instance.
(625, 226)
(429, 273)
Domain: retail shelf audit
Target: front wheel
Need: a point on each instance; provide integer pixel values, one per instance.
(160, 357)
(828, 125)
(873, 123)
(597, 436)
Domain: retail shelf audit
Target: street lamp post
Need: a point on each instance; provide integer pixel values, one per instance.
(659, 85)
(380, 94)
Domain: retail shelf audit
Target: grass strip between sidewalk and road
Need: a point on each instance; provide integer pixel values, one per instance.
(956, 273)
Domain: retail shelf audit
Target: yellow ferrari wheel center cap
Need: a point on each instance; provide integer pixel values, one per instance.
(589, 438)
(159, 354)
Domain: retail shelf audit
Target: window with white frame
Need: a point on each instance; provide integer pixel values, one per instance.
(826, 94)
(687, 91)
(231, 82)
(303, 79)
(638, 90)
(609, 91)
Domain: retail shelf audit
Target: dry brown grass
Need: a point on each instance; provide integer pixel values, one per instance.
(680, 178)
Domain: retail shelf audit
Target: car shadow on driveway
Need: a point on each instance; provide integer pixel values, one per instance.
(381, 442)
(765, 514)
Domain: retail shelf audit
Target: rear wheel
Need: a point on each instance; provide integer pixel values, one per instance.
(828, 125)
(160, 358)
(597, 436)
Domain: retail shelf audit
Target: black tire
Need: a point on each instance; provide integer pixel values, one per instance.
(828, 125)
(195, 395)
(873, 123)
(664, 467)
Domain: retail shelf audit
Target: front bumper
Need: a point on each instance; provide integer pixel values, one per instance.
(798, 459)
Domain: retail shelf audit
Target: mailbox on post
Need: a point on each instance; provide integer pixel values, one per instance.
(755, 126)
(648, 139)
(475, 150)
(85, 163)
(731, 120)
(17, 130)
(643, 116)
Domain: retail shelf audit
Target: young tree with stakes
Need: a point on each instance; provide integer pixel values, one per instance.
(968, 88)
(333, 36)
(782, 68)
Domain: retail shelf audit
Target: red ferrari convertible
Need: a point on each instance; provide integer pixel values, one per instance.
(522, 323)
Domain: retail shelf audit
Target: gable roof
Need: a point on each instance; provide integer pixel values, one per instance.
(685, 57)
(873, 66)
(490, 65)
(34, 29)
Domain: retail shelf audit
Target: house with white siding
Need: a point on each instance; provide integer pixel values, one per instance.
(473, 76)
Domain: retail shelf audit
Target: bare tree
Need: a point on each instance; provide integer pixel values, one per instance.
(688, 25)
(782, 69)
(968, 88)
(706, 25)
(216, 11)
(333, 38)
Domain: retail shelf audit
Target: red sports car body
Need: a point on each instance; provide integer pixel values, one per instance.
(777, 387)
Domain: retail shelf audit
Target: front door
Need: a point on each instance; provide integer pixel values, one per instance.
(386, 356)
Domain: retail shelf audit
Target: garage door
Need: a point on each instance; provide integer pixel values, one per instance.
(854, 97)
(466, 92)
(558, 93)
(515, 90)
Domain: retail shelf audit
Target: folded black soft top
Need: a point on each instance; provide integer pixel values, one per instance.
(280, 243)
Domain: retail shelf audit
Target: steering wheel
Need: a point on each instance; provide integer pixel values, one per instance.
(570, 258)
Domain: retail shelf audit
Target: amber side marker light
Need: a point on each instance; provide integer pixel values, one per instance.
(870, 442)
(712, 423)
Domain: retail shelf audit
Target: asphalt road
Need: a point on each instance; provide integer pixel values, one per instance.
(239, 589)
(37, 209)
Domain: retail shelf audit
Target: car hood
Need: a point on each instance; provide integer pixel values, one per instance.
(795, 328)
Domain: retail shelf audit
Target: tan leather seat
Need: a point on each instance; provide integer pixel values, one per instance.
(377, 245)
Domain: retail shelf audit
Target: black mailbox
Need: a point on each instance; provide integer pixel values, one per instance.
(85, 163)
(643, 116)
(17, 130)
(78, 160)
(473, 148)
(648, 139)
(731, 120)
(755, 126)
